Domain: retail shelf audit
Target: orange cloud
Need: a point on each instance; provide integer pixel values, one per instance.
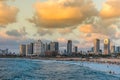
(96, 36)
(63, 40)
(7, 13)
(65, 30)
(62, 13)
(3, 34)
(86, 28)
(100, 26)
(89, 38)
(110, 9)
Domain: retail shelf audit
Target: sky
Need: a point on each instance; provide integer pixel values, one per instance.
(82, 21)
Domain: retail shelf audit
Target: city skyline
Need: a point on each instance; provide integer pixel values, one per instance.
(40, 48)
(58, 20)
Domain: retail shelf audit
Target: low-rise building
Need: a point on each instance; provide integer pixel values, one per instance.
(3, 51)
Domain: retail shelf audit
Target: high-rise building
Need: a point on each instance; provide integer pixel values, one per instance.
(65, 51)
(106, 46)
(54, 46)
(29, 49)
(96, 46)
(23, 49)
(112, 47)
(92, 49)
(69, 47)
(43, 49)
(46, 47)
(75, 49)
(118, 49)
(39, 48)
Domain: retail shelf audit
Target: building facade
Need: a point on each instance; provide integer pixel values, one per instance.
(28, 49)
(38, 48)
(75, 49)
(96, 46)
(106, 46)
(22, 49)
(4, 51)
(31, 48)
(92, 49)
(118, 49)
(69, 47)
(54, 46)
(112, 47)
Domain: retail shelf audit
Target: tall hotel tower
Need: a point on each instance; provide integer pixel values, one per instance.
(106, 46)
(112, 47)
(69, 47)
(39, 48)
(96, 46)
(23, 49)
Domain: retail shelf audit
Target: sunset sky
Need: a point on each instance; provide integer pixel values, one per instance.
(23, 21)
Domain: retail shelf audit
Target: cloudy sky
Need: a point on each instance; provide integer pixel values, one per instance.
(23, 21)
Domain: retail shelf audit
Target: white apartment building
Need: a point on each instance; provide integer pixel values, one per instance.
(39, 48)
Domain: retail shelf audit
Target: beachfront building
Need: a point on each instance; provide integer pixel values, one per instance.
(54, 46)
(22, 48)
(65, 51)
(69, 47)
(118, 49)
(52, 49)
(29, 49)
(112, 47)
(75, 49)
(47, 47)
(3, 51)
(96, 46)
(106, 46)
(39, 48)
(43, 49)
(92, 49)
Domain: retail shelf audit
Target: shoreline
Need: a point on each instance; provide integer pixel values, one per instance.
(96, 60)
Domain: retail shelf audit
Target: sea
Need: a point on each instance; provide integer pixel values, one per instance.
(35, 69)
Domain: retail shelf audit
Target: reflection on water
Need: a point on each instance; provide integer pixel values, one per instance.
(26, 69)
